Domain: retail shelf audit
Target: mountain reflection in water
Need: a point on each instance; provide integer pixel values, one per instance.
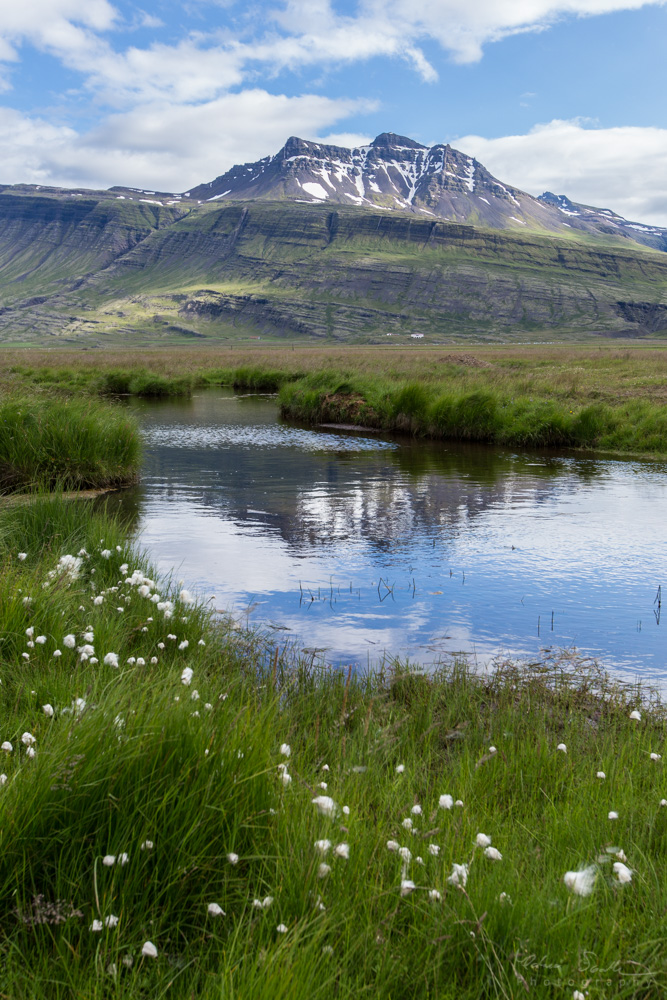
(359, 545)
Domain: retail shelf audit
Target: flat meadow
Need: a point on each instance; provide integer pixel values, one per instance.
(189, 808)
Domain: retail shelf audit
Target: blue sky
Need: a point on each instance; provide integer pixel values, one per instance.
(565, 95)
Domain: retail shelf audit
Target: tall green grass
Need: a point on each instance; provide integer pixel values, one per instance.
(71, 442)
(442, 411)
(229, 765)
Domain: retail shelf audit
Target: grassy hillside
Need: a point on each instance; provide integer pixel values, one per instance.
(116, 271)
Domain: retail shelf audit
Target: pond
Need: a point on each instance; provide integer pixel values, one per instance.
(358, 546)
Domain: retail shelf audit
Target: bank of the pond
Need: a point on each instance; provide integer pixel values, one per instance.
(65, 442)
(605, 400)
(184, 807)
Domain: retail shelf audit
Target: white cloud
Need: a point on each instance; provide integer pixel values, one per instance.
(618, 168)
(165, 147)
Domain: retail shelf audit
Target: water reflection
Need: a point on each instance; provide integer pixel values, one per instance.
(358, 544)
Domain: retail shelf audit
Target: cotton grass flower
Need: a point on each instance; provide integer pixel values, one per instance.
(405, 854)
(108, 860)
(601, 775)
(325, 805)
(459, 876)
(184, 644)
(392, 845)
(323, 870)
(96, 926)
(445, 802)
(111, 660)
(285, 749)
(493, 854)
(48, 710)
(147, 845)
(40, 640)
(434, 850)
(214, 910)
(286, 778)
(187, 675)
(562, 748)
(6, 746)
(482, 840)
(622, 872)
(434, 896)
(30, 752)
(69, 641)
(416, 810)
(28, 739)
(233, 858)
(322, 846)
(407, 823)
(57, 653)
(22, 556)
(637, 716)
(407, 886)
(281, 929)
(459, 803)
(148, 950)
(612, 815)
(111, 921)
(656, 756)
(578, 995)
(400, 768)
(582, 882)
(3, 779)
(342, 851)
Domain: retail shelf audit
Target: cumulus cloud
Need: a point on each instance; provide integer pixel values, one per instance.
(618, 168)
(164, 146)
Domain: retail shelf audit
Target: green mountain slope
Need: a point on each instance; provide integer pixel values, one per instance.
(113, 271)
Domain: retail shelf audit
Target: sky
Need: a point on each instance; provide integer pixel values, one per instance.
(559, 95)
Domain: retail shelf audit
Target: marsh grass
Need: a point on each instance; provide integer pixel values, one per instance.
(135, 764)
(540, 396)
(75, 443)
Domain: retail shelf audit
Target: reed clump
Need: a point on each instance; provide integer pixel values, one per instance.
(72, 442)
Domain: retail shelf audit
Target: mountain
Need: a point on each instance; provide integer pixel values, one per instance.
(395, 173)
(320, 243)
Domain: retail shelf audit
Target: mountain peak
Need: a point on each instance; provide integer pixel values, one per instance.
(388, 139)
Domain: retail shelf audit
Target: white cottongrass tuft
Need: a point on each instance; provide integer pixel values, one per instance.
(578, 995)
(346, 810)
(325, 805)
(582, 882)
(400, 768)
(434, 850)
(22, 556)
(40, 640)
(323, 870)
(214, 910)
(407, 824)
(622, 872)
(96, 926)
(28, 739)
(392, 845)
(147, 845)
(405, 853)
(612, 815)
(111, 660)
(482, 840)
(663, 802)
(3, 779)
(48, 710)
(562, 748)
(493, 749)
(57, 653)
(434, 895)
(342, 851)
(445, 801)
(186, 597)
(30, 752)
(459, 876)
(108, 860)
(285, 749)
(149, 950)
(111, 920)
(281, 928)
(493, 854)
(407, 886)
(187, 675)
(286, 778)
(69, 641)
(656, 756)
(184, 644)
(637, 716)
(106, 553)
(416, 810)
(459, 803)
(233, 858)
(322, 846)
(601, 775)
(323, 785)
(6, 746)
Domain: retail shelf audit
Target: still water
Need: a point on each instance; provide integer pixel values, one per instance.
(356, 545)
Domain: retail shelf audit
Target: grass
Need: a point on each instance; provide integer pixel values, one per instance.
(74, 443)
(605, 399)
(228, 765)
